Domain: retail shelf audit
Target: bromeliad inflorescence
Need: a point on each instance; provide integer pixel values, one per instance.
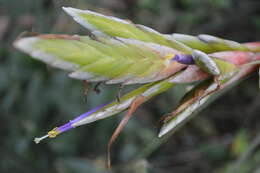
(120, 52)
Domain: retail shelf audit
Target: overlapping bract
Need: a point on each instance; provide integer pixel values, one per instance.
(122, 52)
(104, 59)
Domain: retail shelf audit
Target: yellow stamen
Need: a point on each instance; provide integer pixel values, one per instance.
(170, 55)
(53, 133)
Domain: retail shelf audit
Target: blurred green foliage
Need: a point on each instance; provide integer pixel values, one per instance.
(34, 98)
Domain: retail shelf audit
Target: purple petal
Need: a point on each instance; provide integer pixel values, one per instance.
(184, 59)
(68, 125)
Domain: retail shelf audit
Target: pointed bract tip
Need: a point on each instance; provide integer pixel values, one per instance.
(163, 131)
(24, 44)
(205, 62)
(38, 140)
(208, 38)
(72, 11)
(160, 135)
(66, 9)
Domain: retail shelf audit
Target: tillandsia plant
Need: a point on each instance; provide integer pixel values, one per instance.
(120, 52)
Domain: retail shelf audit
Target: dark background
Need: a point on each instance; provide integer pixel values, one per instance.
(35, 98)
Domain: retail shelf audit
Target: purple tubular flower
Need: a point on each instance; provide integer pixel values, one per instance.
(184, 59)
(69, 125)
(57, 130)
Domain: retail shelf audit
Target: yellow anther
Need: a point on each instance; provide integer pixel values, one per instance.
(53, 133)
(170, 55)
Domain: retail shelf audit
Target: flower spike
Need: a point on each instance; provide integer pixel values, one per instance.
(126, 53)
